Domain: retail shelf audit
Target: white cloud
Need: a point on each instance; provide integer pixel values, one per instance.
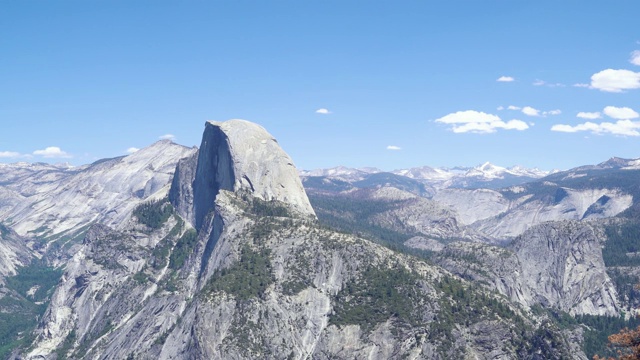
(610, 80)
(620, 127)
(167, 137)
(589, 115)
(505, 79)
(131, 150)
(582, 85)
(479, 122)
(9, 154)
(500, 108)
(620, 113)
(539, 82)
(323, 111)
(635, 58)
(528, 110)
(52, 152)
(393, 147)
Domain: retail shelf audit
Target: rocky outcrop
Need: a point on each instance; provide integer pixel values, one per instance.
(505, 214)
(395, 211)
(238, 155)
(181, 193)
(557, 264)
(63, 200)
(473, 205)
(14, 252)
(563, 204)
(562, 265)
(412, 214)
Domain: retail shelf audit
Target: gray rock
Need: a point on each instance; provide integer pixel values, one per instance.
(238, 155)
(555, 264)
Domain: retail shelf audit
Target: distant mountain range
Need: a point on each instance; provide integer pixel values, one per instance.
(486, 175)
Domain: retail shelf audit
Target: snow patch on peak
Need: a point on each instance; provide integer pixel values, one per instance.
(341, 173)
(489, 167)
(632, 165)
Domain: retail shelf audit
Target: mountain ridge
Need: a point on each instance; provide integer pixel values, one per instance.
(216, 252)
(258, 277)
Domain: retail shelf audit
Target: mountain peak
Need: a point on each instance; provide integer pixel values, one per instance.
(238, 155)
(487, 166)
(614, 163)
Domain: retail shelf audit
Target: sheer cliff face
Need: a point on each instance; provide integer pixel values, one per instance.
(214, 172)
(555, 264)
(562, 265)
(13, 252)
(237, 155)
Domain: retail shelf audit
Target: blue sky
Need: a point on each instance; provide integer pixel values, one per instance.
(404, 83)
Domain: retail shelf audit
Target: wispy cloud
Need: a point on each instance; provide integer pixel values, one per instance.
(539, 82)
(581, 85)
(500, 108)
(131, 150)
(505, 79)
(531, 111)
(323, 111)
(620, 127)
(10, 154)
(589, 115)
(167, 137)
(616, 81)
(52, 152)
(393, 147)
(479, 122)
(635, 58)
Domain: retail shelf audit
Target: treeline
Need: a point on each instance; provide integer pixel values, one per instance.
(379, 294)
(353, 216)
(20, 310)
(622, 247)
(596, 328)
(247, 278)
(154, 213)
(261, 207)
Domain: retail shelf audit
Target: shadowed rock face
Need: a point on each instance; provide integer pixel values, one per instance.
(181, 193)
(214, 171)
